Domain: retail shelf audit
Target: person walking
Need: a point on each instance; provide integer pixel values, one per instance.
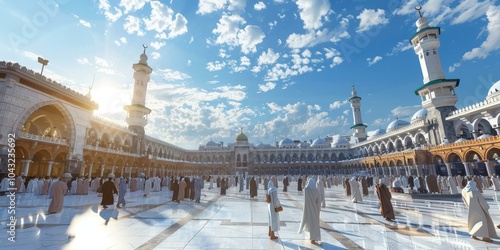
(58, 191)
(108, 189)
(384, 197)
(479, 222)
(310, 213)
(122, 190)
(274, 217)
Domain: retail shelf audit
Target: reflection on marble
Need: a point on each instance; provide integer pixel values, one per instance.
(235, 221)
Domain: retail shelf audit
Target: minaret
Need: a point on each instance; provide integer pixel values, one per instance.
(359, 127)
(438, 93)
(137, 110)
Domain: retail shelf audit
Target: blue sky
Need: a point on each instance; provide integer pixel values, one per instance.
(275, 68)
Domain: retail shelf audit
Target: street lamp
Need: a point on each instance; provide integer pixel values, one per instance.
(43, 62)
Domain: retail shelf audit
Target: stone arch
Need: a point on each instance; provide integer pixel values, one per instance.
(408, 142)
(71, 127)
(420, 140)
(463, 131)
(472, 156)
(454, 157)
(481, 126)
(492, 153)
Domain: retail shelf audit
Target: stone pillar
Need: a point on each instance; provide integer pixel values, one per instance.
(419, 170)
(475, 134)
(498, 130)
(149, 172)
(467, 169)
(154, 172)
(90, 170)
(82, 169)
(49, 168)
(129, 172)
(102, 170)
(26, 167)
(121, 172)
(489, 168)
(448, 169)
(113, 169)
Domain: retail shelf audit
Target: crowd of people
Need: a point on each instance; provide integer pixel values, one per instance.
(182, 188)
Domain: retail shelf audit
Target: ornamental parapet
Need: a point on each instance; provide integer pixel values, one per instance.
(392, 133)
(474, 107)
(41, 138)
(465, 144)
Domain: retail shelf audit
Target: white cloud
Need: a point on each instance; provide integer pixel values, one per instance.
(312, 12)
(123, 40)
(250, 37)
(492, 42)
(370, 18)
(259, 6)
(157, 45)
(85, 23)
(312, 38)
(405, 111)
(132, 5)
(227, 29)
(117, 43)
(215, 66)
(337, 104)
(101, 62)
(104, 5)
(268, 57)
(173, 75)
(162, 18)
(400, 47)
(83, 61)
(374, 60)
(454, 67)
(267, 86)
(132, 25)
(209, 6)
(155, 55)
(336, 61)
(245, 61)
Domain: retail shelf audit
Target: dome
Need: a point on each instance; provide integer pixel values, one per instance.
(494, 90)
(319, 141)
(419, 115)
(241, 137)
(211, 144)
(378, 132)
(396, 124)
(286, 142)
(340, 141)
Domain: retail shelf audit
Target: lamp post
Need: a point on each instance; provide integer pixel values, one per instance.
(44, 63)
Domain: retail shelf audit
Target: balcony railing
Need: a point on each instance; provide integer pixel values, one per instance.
(41, 138)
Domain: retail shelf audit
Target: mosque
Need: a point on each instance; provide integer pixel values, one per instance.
(56, 132)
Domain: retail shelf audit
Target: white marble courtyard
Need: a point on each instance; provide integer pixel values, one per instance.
(235, 221)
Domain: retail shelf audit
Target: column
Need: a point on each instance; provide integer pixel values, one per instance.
(102, 170)
(121, 172)
(154, 171)
(149, 172)
(467, 169)
(448, 169)
(82, 169)
(49, 168)
(26, 167)
(113, 169)
(130, 172)
(419, 170)
(498, 130)
(90, 170)
(489, 168)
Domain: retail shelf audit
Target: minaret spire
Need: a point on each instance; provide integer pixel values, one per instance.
(359, 127)
(138, 111)
(437, 93)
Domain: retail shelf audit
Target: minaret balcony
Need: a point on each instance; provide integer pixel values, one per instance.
(137, 121)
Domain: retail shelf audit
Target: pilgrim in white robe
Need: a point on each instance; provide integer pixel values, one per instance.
(274, 217)
(355, 192)
(321, 190)
(310, 214)
(479, 222)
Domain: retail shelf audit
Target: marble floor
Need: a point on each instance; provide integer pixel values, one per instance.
(235, 221)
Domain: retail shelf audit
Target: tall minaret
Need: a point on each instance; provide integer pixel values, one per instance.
(137, 111)
(438, 93)
(359, 127)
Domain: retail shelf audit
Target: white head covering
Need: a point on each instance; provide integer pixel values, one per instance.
(311, 183)
(471, 186)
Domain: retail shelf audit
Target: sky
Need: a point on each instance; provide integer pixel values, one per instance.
(273, 69)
